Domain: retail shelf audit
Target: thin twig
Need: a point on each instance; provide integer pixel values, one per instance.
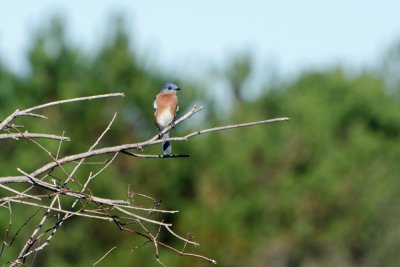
(7, 232)
(28, 111)
(33, 135)
(227, 127)
(181, 238)
(22, 194)
(154, 239)
(59, 102)
(80, 214)
(142, 218)
(32, 239)
(59, 146)
(91, 149)
(72, 193)
(151, 210)
(122, 228)
(105, 255)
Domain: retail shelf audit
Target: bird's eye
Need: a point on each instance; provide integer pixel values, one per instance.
(169, 87)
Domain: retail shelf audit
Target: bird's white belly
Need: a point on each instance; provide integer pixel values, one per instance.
(165, 119)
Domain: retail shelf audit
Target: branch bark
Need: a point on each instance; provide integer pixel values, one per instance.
(34, 135)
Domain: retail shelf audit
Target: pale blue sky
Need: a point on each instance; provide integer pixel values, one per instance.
(187, 35)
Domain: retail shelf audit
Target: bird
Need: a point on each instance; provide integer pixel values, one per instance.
(165, 107)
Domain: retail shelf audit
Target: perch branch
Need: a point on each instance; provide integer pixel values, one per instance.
(154, 140)
(145, 156)
(189, 114)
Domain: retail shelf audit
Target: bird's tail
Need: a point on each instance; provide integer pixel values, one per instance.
(166, 145)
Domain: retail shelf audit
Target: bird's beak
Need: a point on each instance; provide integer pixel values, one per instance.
(177, 89)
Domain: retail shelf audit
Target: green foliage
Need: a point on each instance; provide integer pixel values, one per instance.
(320, 190)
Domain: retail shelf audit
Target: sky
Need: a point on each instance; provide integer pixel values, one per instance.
(190, 36)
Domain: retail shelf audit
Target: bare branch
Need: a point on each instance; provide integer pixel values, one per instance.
(54, 103)
(181, 238)
(28, 244)
(126, 216)
(227, 127)
(106, 218)
(59, 146)
(28, 112)
(151, 210)
(7, 232)
(154, 140)
(18, 193)
(34, 135)
(68, 192)
(105, 255)
(142, 218)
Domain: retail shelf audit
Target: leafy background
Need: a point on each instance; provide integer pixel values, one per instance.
(320, 190)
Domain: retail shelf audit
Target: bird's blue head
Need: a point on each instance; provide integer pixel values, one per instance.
(170, 87)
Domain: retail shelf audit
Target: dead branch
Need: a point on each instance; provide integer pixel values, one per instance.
(33, 135)
(102, 258)
(123, 148)
(28, 111)
(120, 211)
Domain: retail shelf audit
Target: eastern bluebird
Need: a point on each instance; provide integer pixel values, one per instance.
(165, 107)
